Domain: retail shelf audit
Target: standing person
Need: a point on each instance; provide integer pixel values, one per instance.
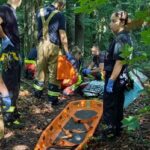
(114, 83)
(51, 36)
(97, 65)
(11, 67)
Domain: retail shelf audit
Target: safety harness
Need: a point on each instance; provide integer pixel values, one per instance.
(7, 59)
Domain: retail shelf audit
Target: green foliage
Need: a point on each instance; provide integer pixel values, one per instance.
(128, 51)
(131, 123)
(145, 110)
(88, 6)
(144, 15)
(145, 37)
(2, 1)
(46, 2)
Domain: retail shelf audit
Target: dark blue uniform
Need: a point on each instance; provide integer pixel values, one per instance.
(113, 102)
(9, 25)
(56, 23)
(11, 76)
(98, 59)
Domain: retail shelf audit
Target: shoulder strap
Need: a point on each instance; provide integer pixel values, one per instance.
(51, 15)
(45, 22)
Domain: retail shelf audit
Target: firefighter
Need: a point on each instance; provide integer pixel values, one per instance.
(113, 99)
(9, 58)
(96, 66)
(51, 36)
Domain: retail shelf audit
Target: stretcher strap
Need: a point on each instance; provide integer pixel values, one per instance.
(83, 120)
(63, 142)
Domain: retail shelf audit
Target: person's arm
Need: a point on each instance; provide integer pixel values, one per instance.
(2, 34)
(62, 32)
(117, 67)
(116, 71)
(101, 66)
(64, 40)
(91, 65)
(99, 69)
(95, 70)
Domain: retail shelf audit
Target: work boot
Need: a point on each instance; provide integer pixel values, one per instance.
(37, 94)
(53, 100)
(13, 121)
(17, 114)
(107, 133)
(16, 124)
(38, 89)
(53, 94)
(7, 109)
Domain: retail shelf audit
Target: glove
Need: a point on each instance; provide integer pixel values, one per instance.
(6, 102)
(86, 71)
(69, 56)
(6, 42)
(71, 60)
(109, 87)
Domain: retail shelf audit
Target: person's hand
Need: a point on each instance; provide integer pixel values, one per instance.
(109, 87)
(86, 71)
(69, 56)
(6, 42)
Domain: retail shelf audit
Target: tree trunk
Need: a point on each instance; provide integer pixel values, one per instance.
(79, 30)
(70, 24)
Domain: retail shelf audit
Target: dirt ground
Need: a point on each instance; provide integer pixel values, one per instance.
(37, 114)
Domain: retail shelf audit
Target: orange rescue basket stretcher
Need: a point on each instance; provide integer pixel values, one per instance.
(73, 127)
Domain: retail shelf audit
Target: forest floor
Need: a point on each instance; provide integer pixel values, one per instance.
(37, 114)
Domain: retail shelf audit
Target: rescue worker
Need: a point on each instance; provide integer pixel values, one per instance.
(72, 84)
(51, 36)
(113, 98)
(96, 66)
(77, 57)
(9, 58)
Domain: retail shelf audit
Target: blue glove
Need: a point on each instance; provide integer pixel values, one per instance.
(86, 71)
(6, 42)
(69, 56)
(6, 102)
(109, 87)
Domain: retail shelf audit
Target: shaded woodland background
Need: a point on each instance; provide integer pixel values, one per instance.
(87, 23)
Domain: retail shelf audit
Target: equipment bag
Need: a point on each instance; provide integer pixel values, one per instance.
(65, 69)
